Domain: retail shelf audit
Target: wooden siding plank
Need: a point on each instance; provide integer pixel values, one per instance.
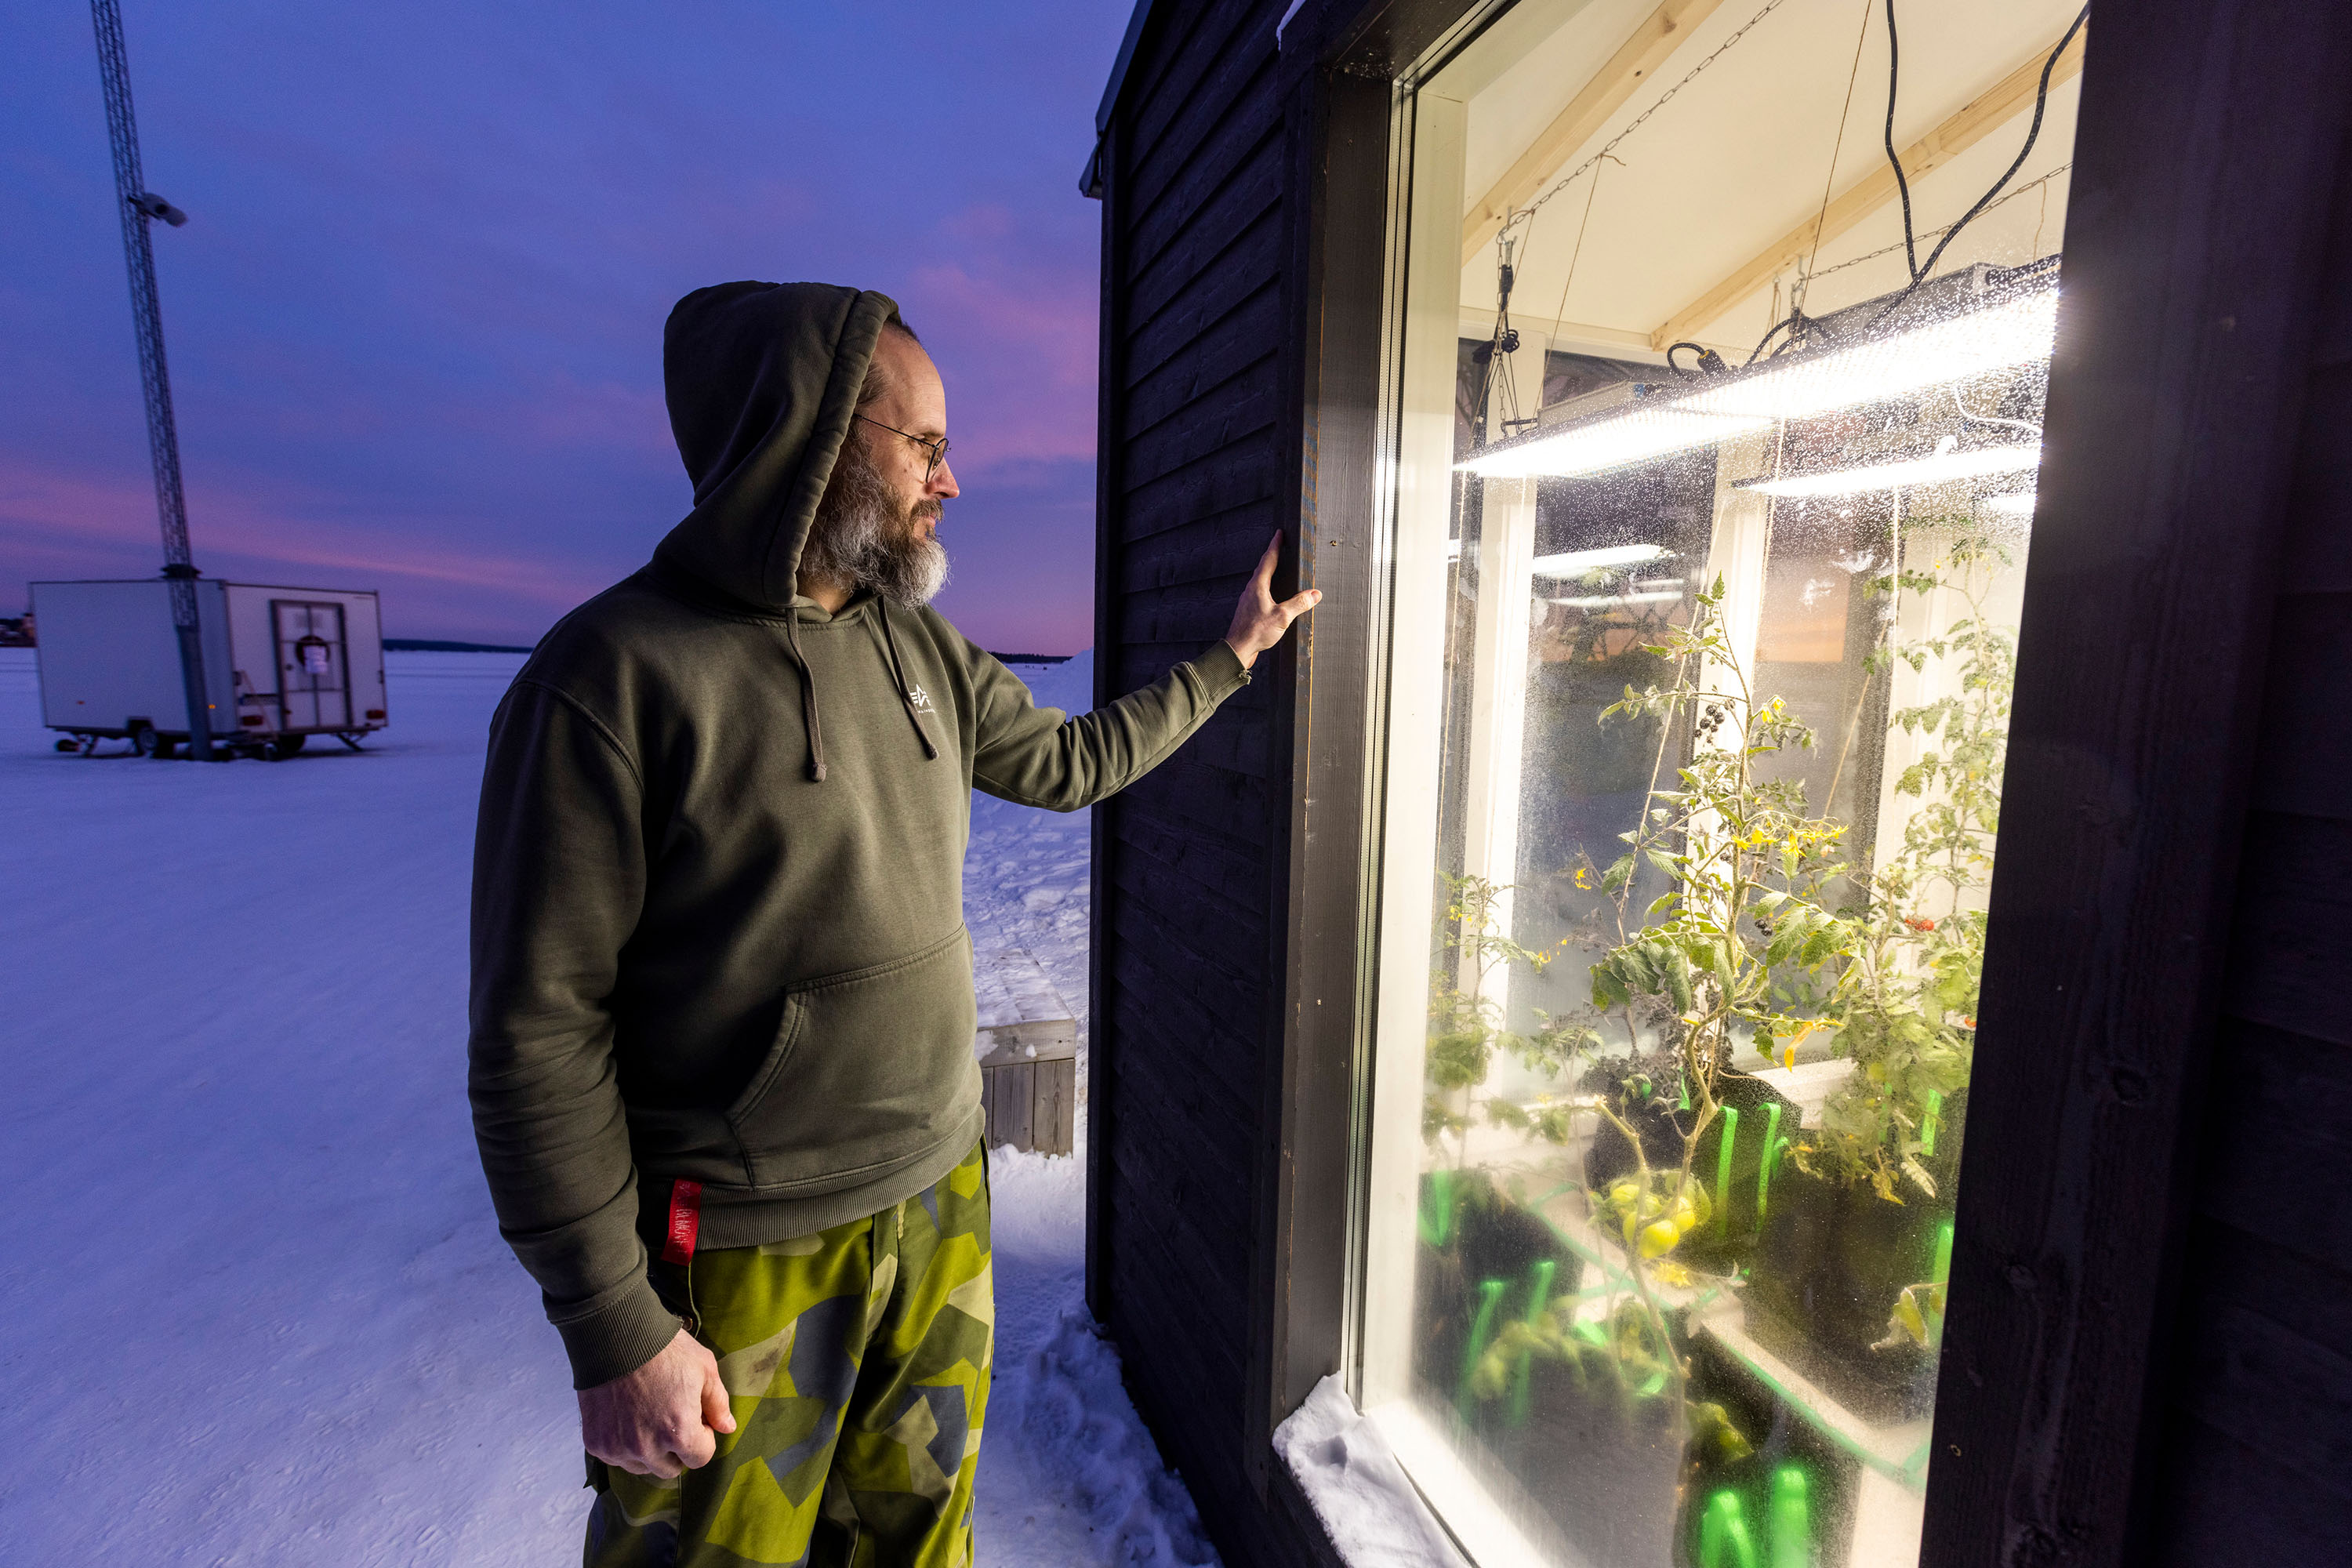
(2219, 1502)
(1240, 474)
(2319, 516)
(1229, 871)
(1165, 60)
(1205, 1276)
(1202, 1229)
(1238, 174)
(2306, 744)
(1168, 613)
(2286, 1396)
(1197, 549)
(2331, 346)
(1215, 309)
(1221, 417)
(2294, 902)
(1214, 933)
(1211, 242)
(1229, 803)
(2234, 1266)
(1203, 903)
(1196, 1062)
(1207, 1155)
(1142, 822)
(2279, 1125)
(1235, 348)
(1234, 255)
(1191, 99)
(1164, 1340)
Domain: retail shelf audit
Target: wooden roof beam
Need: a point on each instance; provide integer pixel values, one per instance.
(1660, 34)
(1979, 116)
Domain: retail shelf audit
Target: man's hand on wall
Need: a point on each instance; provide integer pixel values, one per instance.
(662, 1419)
(1258, 621)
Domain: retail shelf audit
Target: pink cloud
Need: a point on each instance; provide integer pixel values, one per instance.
(76, 522)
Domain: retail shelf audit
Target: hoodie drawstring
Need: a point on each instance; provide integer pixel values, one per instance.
(898, 673)
(808, 698)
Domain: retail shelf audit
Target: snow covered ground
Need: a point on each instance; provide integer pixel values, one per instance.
(256, 1310)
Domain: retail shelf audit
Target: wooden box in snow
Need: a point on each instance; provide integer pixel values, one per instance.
(1028, 1050)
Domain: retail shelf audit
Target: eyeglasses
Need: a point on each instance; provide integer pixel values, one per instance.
(938, 449)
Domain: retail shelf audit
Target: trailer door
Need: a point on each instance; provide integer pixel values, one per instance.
(314, 680)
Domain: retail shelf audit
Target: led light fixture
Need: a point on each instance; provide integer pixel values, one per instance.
(2014, 330)
(1940, 468)
(1608, 442)
(1953, 348)
(1576, 562)
(1610, 601)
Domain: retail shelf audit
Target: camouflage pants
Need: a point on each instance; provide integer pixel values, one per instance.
(857, 1362)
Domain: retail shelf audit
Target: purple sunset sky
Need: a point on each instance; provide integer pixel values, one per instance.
(414, 325)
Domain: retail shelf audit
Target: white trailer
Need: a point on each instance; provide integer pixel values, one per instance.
(280, 664)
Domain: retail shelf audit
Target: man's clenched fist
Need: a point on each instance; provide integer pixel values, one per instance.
(662, 1419)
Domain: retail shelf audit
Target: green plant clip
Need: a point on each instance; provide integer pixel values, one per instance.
(1539, 1279)
(1724, 1540)
(1490, 1291)
(1723, 1153)
(1789, 1518)
(1773, 1149)
(1437, 1218)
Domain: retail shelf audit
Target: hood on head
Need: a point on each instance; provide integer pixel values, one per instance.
(762, 380)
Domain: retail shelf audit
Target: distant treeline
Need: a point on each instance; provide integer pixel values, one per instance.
(435, 644)
(1031, 657)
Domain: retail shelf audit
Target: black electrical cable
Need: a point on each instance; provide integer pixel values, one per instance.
(1919, 274)
(1794, 325)
(1709, 362)
(2040, 103)
(1902, 185)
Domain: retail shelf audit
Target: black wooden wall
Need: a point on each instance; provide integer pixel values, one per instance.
(2257, 1417)
(1187, 902)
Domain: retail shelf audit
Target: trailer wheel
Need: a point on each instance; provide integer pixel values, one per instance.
(69, 745)
(284, 746)
(148, 744)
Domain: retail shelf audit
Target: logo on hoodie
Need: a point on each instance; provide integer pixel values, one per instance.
(919, 698)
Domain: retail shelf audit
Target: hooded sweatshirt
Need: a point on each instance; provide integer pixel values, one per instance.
(718, 926)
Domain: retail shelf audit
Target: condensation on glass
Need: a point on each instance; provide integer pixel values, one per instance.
(1710, 521)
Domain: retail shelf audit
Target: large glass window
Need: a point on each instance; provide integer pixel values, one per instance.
(1715, 458)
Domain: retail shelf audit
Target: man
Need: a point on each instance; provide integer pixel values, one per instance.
(721, 1055)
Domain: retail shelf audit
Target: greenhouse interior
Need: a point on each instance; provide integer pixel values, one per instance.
(1710, 540)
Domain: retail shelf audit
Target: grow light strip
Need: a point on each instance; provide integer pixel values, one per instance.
(2014, 332)
(1953, 348)
(1941, 468)
(1609, 442)
(1576, 562)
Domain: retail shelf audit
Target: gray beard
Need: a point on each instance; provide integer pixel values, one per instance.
(861, 535)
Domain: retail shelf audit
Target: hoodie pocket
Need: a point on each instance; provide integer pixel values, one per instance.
(870, 1070)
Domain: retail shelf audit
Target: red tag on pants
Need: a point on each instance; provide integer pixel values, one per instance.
(685, 1219)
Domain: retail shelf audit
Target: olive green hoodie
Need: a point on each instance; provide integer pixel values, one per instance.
(717, 888)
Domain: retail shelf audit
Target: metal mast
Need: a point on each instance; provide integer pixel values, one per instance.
(141, 207)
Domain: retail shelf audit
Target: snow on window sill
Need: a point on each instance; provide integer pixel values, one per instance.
(1360, 1491)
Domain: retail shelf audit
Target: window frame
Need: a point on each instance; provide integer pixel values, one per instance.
(2175, 398)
